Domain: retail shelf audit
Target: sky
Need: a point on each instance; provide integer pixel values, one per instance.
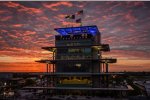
(25, 27)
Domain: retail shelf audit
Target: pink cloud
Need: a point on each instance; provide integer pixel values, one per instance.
(53, 6)
(41, 27)
(43, 18)
(2, 30)
(80, 6)
(12, 4)
(130, 17)
(20, 52)
(3, 11)
(70, 24)
(6, 18)
(138, 3)
(13, 36)
(29, 33)
(18, 25)
(30, 10)
(41, 42)
(116, 5)
(61, 15)
(117, 21)
(22, 8)
(27, 38)
(48, 35)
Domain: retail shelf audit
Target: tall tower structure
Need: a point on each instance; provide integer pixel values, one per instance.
(77, 63)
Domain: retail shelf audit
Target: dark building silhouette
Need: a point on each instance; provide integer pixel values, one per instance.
(77, 65)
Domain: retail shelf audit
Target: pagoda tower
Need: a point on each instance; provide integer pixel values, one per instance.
(77, 65)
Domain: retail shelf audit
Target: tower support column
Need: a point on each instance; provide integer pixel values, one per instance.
(47, 68)
(107, 83)
(106, 67)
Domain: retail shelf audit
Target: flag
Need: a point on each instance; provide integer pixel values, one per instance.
(70, 17)
(79, 12)
(78, 20)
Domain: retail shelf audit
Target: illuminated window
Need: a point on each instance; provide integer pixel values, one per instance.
(78, 65)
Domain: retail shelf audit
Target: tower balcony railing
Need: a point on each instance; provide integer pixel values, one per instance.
(75, 57)
(47, 58)
(102, 60)
(69, 57)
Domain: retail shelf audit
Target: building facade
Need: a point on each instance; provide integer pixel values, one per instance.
(77, 65)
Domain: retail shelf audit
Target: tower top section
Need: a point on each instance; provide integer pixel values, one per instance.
(78, 30)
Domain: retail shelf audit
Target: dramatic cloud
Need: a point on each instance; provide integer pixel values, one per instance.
(25, 27)
(3, 19)
(54, 6)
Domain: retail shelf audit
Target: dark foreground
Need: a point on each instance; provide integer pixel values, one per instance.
(13, 87)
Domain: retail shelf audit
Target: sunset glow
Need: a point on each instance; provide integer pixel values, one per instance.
(25, 27)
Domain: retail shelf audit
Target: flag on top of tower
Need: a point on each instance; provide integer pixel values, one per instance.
(79, 12)
(78, 20)
(70, 17)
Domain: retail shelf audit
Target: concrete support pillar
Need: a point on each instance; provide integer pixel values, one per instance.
(106, 67)
(47, 68)
(107, 83)
(103, 67)
(53, 68)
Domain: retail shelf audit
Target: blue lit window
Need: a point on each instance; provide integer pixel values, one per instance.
(76, 30)
(68, 30)
(84, 29)
(61, 31)
(93, 30)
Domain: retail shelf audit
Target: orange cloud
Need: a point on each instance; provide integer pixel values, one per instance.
(30, 10)
(130, 65)
(26, 28)
(29, 54)
(18, 25)
(61, 15)
(127, 54)
(29, 33)
(22, 67)
(70, 24)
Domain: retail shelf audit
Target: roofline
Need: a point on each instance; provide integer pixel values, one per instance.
(74, 27)
(103, 49)
(73, 73)
(103, 60)
(80, 88)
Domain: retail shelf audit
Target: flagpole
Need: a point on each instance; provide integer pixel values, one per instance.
(80, 19)
(72, 17)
